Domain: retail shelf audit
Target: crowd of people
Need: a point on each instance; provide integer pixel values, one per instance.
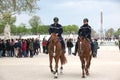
(19, 47)
(30, 47)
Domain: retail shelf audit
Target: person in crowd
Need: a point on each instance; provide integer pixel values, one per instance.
(1, 48)
(31, 47)
(4, 48)
(12, 47)
(19, 48)
(16, 47)
(24, 46)
(44, 42)
(8, 48)
(96, 47)
(27, 49)
(38, 50)
(69, 46)
(36, 46)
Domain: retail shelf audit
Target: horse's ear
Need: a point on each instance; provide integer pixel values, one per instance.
(83, 37)
(54, 34)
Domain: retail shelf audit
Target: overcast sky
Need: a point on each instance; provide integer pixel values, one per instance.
(74, 11)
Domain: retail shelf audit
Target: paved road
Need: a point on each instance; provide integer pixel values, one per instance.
(105, 67)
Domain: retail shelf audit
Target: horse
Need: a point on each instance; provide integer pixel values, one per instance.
(84, 52)
(55, 52)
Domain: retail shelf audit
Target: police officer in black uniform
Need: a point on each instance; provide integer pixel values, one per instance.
(56, 28)
(85, 31)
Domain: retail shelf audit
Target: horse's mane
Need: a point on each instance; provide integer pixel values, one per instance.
(84, 39)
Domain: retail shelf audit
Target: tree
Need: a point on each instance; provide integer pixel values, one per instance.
(117, 33)
(18, 6)
(35, 22)
(94, 34)
(7, 19)
(8, 8)
(11, 7)
(14, 29)
(70, 29)
(43, 29)
(1, 28)
(109, 33)
(21, 29)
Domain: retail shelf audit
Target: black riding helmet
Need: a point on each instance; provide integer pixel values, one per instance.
(85, 20)
(56, 19)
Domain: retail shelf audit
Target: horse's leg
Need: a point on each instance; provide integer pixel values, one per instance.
(63, 61)
(83, 66)
(61, 68)
(88, 64)
(57, 57)
(50, 59)
(89, 61)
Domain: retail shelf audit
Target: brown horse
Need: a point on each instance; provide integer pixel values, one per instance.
(84, 52)
(55, 51)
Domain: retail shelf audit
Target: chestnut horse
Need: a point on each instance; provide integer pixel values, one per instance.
(84, 52)
(55, 51)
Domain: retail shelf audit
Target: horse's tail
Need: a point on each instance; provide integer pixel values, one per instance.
(63, 59)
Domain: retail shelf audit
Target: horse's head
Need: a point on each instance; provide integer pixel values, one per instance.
(81, 44)
(53, 46)
(54, 38)
(81, 39)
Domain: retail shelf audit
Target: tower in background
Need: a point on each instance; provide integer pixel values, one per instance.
(101, 26)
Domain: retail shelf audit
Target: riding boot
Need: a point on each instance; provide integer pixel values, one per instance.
(76, 47)
(63, 46)
(47, 48)
(92, 49)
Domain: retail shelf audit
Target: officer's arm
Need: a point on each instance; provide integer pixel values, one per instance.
(80, 31)
(61, 31)
(88, 32)
(50, 30)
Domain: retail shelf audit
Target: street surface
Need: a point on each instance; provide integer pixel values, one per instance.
(105, 67)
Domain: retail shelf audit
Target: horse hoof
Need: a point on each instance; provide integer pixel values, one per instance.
(61, 71)
(53, 72)
(83, 76)
(55, 77)
(87, 74)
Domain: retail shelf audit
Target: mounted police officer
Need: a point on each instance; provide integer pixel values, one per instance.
(85, 31)
(56, 28)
